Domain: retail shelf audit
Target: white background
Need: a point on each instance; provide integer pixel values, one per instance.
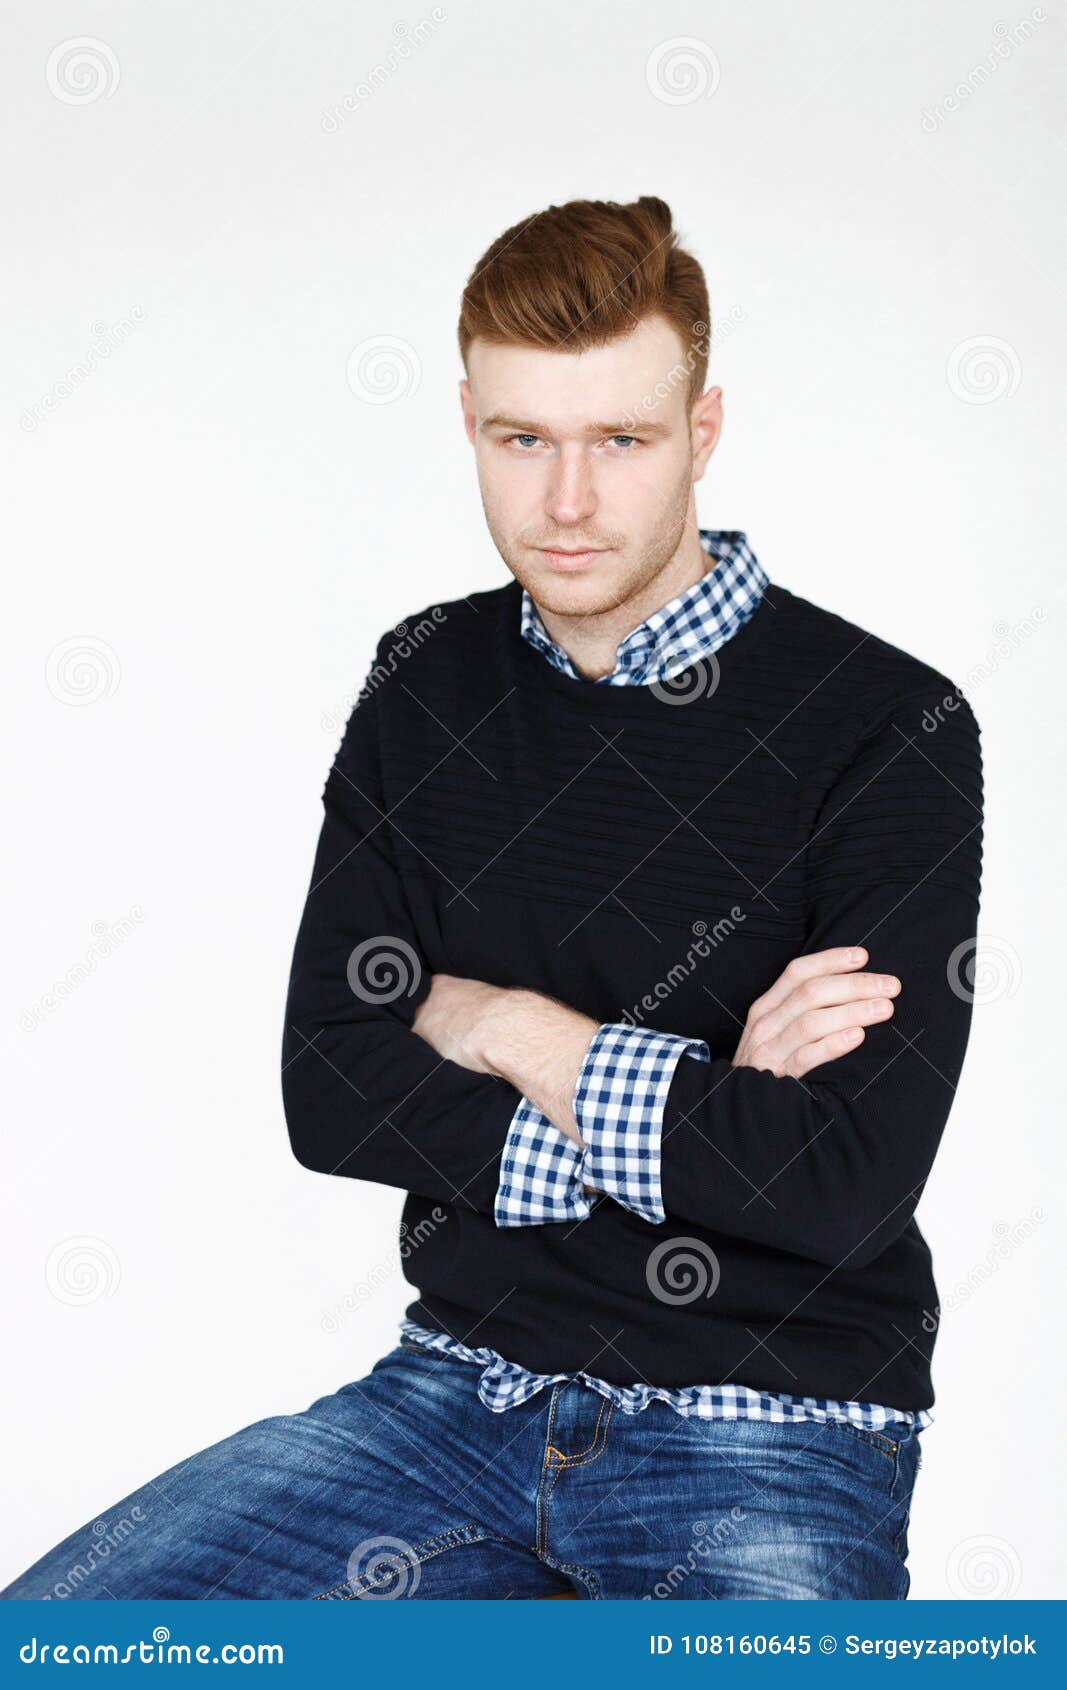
(223, 528)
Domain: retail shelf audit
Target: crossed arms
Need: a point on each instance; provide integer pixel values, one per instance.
(437, 1086)
(617, 1077)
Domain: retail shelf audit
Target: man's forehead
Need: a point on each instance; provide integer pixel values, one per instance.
(635, 375)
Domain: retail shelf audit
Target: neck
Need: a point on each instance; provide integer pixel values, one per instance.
(592, 642)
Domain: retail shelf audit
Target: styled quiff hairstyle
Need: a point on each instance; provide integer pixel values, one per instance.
(581, 274)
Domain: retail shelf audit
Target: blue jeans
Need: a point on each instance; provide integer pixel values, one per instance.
(403, 1485)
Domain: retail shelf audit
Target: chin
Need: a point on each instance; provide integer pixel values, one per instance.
(572, 598)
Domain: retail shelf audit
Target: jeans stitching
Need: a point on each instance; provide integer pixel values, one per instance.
(901, 1536)
(424, 1551)
(590, 1455)
(888, 1447)
(576, 1460)
(542, 1500)
(584, 1575)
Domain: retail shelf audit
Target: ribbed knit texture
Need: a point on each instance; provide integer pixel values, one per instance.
(641, 857)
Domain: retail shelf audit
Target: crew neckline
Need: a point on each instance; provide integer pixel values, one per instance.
(599, 696)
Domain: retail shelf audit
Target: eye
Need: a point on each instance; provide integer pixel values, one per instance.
(525, 441)
(624, 440)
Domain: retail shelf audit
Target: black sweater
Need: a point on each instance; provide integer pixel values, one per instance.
(490, 817)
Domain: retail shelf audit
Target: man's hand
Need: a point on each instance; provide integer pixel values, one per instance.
(536, 1042)
(815, 1011)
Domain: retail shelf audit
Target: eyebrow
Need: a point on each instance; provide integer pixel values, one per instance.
(594, 430)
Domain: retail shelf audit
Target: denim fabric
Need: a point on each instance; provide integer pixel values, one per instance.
(402, 1486)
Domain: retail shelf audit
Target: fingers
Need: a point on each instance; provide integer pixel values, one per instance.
(820, 992)
(815, 1012)
(810, 1056)
(841, 960)
(815, 1029)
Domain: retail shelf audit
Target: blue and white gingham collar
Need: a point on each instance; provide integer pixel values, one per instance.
(690, 627)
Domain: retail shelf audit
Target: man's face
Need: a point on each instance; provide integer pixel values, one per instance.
(586, 462)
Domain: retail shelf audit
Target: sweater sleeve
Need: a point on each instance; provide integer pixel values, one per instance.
(364, 1095)
(831, 1166)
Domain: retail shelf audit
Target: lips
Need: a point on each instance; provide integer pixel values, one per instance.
(569, 559)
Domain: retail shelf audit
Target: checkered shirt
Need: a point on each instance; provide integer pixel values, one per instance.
(622, 1087)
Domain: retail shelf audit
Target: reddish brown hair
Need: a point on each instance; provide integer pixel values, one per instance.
(581, 274)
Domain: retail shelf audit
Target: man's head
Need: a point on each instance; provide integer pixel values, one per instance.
(584, 332)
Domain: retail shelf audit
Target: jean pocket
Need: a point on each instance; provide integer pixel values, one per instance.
(875, 1453)
(887, 1443)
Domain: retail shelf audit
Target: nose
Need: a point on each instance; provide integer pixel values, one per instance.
(571, 497)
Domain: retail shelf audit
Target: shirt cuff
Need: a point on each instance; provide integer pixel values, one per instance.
(619, 1099)
(540, 1173)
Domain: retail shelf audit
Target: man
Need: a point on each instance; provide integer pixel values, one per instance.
(635, 952)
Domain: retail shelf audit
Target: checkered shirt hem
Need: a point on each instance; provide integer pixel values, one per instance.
(504, 1384)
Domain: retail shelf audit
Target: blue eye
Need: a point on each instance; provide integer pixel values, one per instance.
(631, 439)
(525, 439)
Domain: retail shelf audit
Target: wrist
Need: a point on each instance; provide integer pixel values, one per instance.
(539, 1045)
(500, 1035)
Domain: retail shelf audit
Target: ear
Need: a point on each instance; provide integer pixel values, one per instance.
(466, 399)
(705, 422)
